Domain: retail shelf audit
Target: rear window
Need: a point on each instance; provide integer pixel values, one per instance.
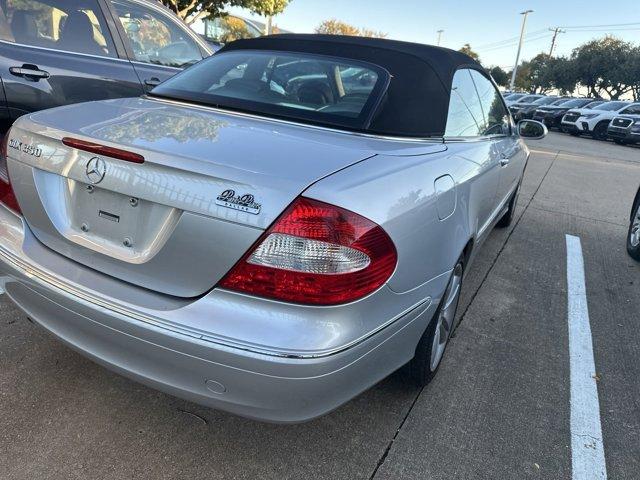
(299, 86)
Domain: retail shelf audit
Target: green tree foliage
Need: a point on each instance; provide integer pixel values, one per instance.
(192, 10)
(500, 76)
(268, 8)
(467, 50)
(605, 66)
(337, 27)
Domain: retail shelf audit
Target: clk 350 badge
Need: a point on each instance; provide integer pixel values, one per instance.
(244, 203)
(24, 148)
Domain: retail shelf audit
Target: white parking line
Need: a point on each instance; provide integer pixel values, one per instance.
(587, 452)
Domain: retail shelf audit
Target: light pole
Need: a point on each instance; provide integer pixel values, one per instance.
(440, 32)
(515, 67)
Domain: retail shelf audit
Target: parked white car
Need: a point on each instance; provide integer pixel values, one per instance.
(595, 122)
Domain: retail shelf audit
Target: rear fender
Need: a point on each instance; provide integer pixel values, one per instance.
(399, 194)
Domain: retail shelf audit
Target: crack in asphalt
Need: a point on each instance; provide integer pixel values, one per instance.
(556, 212)
(385, 454)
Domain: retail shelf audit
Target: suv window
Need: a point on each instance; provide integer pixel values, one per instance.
(496, 117)
(632, 110)
(229, 28)
(71, 25)
(465, 115)
(155, 38)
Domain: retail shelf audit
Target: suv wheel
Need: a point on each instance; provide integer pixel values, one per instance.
(600, 131)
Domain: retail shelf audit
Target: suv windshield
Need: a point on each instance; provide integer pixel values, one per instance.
(528, 98)
(611, 106)
(299, 86)
(545, 101)
(575, 103)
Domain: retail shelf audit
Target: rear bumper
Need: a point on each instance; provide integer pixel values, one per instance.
(277, 388)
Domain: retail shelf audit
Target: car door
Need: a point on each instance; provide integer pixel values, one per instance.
(465, 131)
(5, 119)
(506, 147)
(57, 52)
(158, 44)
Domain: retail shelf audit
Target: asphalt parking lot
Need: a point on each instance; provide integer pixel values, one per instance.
(498, 409)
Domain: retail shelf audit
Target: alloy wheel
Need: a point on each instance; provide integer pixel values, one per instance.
(446, 318)
(634, 232)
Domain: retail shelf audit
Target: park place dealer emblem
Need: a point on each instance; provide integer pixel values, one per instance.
(243, 203)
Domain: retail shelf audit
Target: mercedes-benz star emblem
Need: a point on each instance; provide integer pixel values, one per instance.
(96, 170)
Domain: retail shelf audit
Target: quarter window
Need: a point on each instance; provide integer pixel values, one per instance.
(465, 117)
(496, 117)
(154, 38)
(70, 25)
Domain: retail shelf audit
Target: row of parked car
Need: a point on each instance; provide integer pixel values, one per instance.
(615, 120)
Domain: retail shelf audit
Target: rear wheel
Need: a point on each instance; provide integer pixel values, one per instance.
(600, 131)
(633, 238)
(434, 341)
(574, 134)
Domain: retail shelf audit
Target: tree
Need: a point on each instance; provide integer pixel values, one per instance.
(337, 27)
(604, 65)
(467, 50)
(499, 76)
(192, 10)
(268, 8)
(562, 74)
(539, 73)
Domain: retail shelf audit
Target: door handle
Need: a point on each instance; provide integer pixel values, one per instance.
(152, 82)
(29, 71)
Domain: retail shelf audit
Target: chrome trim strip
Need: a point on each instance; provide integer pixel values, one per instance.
(436, 140)
(117, 59)
(49, 281)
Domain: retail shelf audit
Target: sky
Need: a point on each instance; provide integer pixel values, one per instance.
(491, 27)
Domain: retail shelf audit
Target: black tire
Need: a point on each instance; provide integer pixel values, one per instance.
(420, 367)
(600, 131)
(574, 134)
(507, 218)
(619, 142)
(634, 226)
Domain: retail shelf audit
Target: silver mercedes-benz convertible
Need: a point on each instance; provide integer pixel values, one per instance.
(270, 232)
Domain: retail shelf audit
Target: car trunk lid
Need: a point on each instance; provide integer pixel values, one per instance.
(209, 185)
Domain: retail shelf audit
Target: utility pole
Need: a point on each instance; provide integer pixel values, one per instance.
(555, 31)
(515, 67)
(440, 32)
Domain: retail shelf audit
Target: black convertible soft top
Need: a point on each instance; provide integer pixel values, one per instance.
(417, 100)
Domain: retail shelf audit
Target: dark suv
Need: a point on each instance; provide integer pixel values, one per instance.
(57, 52)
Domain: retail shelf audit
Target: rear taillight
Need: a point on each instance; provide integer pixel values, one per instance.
(315, 254)
(7, 197)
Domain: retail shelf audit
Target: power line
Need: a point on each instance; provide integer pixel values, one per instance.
(598, 26)
(513, 44)
(509, 40)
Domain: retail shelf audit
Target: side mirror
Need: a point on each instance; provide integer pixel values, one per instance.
(532, 129)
